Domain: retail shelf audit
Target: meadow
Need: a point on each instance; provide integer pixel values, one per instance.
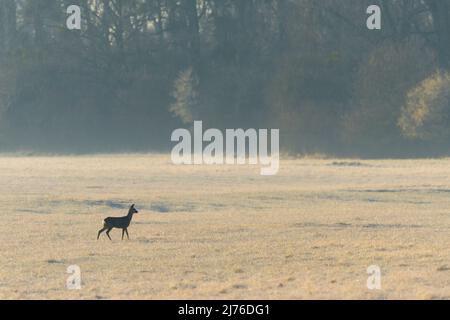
(224, 232)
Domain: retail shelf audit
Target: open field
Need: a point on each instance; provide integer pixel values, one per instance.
(221, 232)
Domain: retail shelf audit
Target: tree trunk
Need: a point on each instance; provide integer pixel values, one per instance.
(440, 11)
(38, 24)
(8, 25)
(193, 41)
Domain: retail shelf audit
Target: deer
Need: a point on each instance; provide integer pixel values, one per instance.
(119, 223)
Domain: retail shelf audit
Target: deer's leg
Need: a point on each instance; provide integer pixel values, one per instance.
(100, 232)
(126, 230)
(123, 231)
(107, 233)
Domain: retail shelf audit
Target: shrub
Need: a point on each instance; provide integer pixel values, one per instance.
(185, 95)
(425, 113)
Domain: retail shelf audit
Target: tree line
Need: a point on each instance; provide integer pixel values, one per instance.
(137, 69)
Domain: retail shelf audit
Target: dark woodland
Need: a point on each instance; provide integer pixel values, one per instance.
(138, 69)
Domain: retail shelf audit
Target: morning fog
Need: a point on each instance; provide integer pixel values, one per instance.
(230, 149)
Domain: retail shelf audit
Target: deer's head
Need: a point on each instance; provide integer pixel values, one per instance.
(132, 210)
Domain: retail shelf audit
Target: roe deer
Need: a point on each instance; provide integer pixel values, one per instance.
(119, 223)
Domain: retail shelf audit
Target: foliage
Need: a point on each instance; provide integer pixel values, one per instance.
(425, 114)
(138, 69)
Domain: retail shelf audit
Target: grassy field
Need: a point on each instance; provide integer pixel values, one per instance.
(221, 232)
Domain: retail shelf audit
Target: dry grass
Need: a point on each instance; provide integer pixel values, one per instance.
(225, 232)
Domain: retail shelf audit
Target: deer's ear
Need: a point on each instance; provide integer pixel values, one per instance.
(132, 205)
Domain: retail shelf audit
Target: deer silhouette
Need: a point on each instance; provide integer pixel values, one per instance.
(118, 222)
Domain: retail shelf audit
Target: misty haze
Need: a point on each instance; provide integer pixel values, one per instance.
(357, 204)
(139, 69)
